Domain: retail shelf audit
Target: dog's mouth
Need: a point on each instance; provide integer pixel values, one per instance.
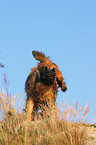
(47, 76)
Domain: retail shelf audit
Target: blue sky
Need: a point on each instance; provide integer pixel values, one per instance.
(65, 30)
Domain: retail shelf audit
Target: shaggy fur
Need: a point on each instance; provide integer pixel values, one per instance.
(42, 85)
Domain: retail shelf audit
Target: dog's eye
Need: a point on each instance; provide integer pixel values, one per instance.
(53, 69)
(42, 67)
(45, 67)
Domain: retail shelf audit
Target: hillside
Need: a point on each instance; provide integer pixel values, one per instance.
(69, 129)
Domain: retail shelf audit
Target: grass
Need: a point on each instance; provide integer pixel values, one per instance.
(67, 130)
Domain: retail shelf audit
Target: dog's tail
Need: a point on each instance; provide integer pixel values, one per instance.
(40, 56)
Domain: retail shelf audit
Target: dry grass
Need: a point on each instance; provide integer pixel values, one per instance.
(15, 130)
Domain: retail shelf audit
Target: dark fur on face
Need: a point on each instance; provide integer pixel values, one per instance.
(47, 76)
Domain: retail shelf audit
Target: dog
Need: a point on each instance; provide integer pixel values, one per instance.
(42, 85)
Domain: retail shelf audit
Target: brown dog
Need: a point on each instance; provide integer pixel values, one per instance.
(42, 85)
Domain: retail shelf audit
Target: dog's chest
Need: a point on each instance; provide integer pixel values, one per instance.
(45, 92)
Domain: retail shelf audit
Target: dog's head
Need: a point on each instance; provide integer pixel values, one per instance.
(49, 72)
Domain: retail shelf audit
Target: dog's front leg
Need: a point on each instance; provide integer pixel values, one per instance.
(29, 108)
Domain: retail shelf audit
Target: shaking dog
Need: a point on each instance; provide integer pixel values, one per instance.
(42, 85)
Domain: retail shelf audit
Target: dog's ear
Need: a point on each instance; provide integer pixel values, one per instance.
(40, 56)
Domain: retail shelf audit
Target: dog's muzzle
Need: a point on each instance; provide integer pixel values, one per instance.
(47, 76)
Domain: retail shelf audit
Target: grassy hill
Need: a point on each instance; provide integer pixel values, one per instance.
(69, 129)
